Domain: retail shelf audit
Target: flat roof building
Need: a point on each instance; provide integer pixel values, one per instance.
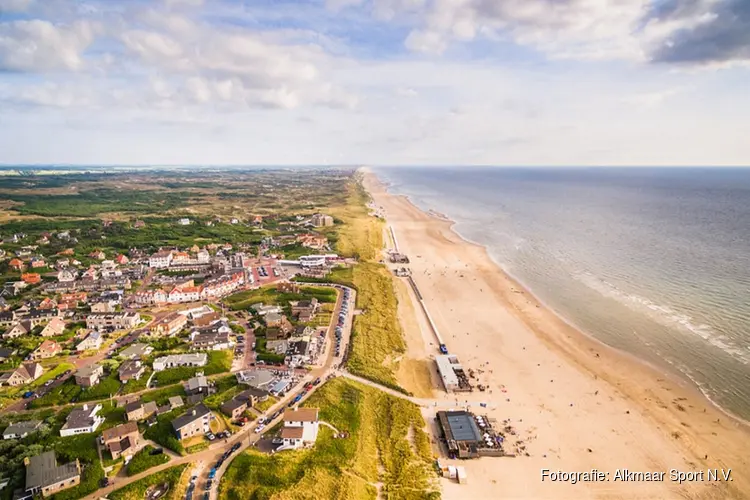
(452, 373)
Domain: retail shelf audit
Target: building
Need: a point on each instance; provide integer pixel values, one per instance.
(27, 372)
(262, 310)
(136, 351)
(31, 278)
(235, 407)
(300, 428)
(45, 476)
(468, 435)
(321, 220)
(115, 321)
(206, 319)
(67, 275)
(92, 341)
(89, 376)
(104, 306)
(195, 422)
(122, 441)
(184, 221)
(180, 294)
(177, 360)
(56, 326)
(131, 369)
(47, 349)
(197, 386)
(82, 420)
(452, 373)
(16, 264)
(312, 261)
(169, 325)
(305, 310)
(211, 341)
(6, 353)
(288, 287)
(160, 260)
(138, 410)
(21, 429)
(17, 330)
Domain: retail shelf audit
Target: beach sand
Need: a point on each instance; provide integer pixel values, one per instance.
(577, 404)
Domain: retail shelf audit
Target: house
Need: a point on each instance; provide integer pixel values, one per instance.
(197, 386)
(215, 341)
(92, 341)
(90, 274)
(56, 326)
(321, 220)
(16, 264)
(175, 402)
(180, 294)
(160, 260)
(31, 278)
(117, 321)
(169, 325)
(66, 276)
(36, 263)
(47, 303)
(206, 319)
(37, 316)
(4, 306)
(82, 420)
(177, 360)
(75, 297)
(27, 372)
(315, 241)
(21, 429)
(300, 428)
(263, 310)
(288, 287)
(89, 376)
(146, 297)
(121, 259)
(98, 255)
(122, 441)
(257, 379)
(104, 306)
(47, 349)
(18, 329)
(184, 221)
(45, 476)
(131, 369)
(136, 351)
(235, 407)
(193, 423)
(138, 410)
(305, 310)
(13, 288)
(7, 318)
(6, 353)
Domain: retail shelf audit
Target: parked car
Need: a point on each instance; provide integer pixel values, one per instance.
(210, 436)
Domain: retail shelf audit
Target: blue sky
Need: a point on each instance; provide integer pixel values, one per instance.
(428, 82)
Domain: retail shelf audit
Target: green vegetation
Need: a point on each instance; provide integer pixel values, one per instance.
(83, 448)
(90, 478)
(137, 490)
(144, 460)
(161, 396)
(376, 450)
(134, 385)
(98, 201)
(162, 431)
(267, 404)
(270, 295)
(105, 389)
(203, 445)
(64, 393)
(262, 354)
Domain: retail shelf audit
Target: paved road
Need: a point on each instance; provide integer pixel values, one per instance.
(206, 459)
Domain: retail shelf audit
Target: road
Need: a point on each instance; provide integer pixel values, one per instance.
(206, 459)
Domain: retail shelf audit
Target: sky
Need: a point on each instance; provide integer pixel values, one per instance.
(376, 82)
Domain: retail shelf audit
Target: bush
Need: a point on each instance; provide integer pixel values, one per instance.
(162, 432)
(144, 460)
(137, 490)
(105, 389)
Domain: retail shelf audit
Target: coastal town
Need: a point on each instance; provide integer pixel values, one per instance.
(180, 356)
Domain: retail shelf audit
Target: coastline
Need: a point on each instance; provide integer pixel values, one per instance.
(687, 425)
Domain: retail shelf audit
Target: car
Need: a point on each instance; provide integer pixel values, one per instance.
(212, 474)
(236, 446)
(210, 436)
(240, 423)
(159, 451)
(260, 428)
(104, 482)
(316, 381)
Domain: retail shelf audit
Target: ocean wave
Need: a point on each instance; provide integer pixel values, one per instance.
(663, 314)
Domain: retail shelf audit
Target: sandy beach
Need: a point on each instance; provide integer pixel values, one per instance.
(576, 404)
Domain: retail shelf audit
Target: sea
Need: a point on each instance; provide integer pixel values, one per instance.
(651, 261)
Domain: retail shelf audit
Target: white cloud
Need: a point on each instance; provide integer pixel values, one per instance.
(14, 5)
(39, 45)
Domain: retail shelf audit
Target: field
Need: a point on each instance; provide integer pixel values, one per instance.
(386, 454)
(175, 477)
(218, 362)
(269, 295)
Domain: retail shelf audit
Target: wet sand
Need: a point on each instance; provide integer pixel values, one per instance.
(576, 404)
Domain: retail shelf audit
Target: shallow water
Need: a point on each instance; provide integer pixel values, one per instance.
(652, 261)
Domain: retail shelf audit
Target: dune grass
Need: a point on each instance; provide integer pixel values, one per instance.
(377, 452)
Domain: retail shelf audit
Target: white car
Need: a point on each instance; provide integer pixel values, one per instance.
(260, 428)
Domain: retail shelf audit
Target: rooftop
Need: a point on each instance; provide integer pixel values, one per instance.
(191, 416)
(119, 432)
(42, 470)
(292, 432)
(301, 415)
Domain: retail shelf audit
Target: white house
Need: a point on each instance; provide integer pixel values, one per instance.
(66, 276)
(300, 428)
(160, 260)
(82, 420)
(92, 341)
(184, 221)
(177, 360)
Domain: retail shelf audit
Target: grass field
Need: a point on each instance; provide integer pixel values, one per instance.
(377, 455)
(174, 476)
(377, 338)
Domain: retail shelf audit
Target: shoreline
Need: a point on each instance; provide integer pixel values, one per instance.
(633, 380)
(677, 377)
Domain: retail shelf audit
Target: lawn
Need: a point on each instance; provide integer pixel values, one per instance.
(376, 451)
(269, 295)
(105, 389)
(174, 476)
(144, 460)
(267, 404)
(161, 396)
